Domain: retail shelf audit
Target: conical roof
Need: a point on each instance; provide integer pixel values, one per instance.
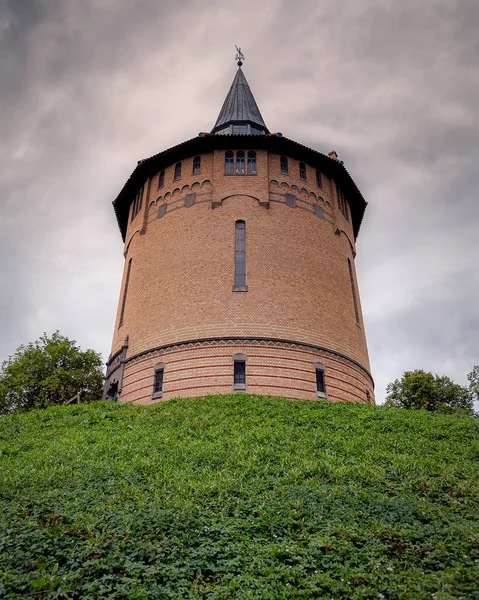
(240, 108)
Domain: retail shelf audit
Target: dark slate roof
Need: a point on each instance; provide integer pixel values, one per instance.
(208, 143)
(240, 106)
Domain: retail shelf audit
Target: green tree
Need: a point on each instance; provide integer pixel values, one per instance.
(418, 389)
(49, 371)
(473, 378)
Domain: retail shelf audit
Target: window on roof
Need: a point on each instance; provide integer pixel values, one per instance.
(197, 165)
(177, 171)
(240, 257)
(319, 179)
(240, 163)
(251, 163)
(240, 129)
(302, 171)
(161, 179)
(229, 163)
(283, 164)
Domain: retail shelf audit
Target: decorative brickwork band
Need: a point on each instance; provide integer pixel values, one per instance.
(276, 367)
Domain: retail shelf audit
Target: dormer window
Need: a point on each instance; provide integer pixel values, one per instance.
(302, 171)
(177, 171)
(283, 165)
(197, 165)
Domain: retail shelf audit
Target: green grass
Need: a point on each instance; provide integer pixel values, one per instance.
(238, 497)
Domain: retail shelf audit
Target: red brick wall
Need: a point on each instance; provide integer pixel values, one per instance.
(297, 274)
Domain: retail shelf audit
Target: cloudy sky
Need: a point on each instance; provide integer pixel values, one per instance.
(88, 87)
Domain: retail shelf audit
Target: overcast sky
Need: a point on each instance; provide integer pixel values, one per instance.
(89, 87)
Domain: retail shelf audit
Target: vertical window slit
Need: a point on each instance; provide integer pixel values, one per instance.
(353, 291)
(240, 257)
(125, 291)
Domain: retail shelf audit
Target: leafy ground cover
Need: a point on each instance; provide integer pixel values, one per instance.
(238, 497)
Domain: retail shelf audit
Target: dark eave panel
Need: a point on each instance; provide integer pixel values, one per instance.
(208, 143)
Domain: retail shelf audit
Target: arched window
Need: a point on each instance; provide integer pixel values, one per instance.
(240, 257)
(283, 164)
(319, 179)
(161, 179)
(302, 171)
(240, 163)
(177, 171)
(197, 165)
(229, 163)
(251, 163)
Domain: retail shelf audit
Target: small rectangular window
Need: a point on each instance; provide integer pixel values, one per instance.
(320, 388)
(158, 388)
(239, 379)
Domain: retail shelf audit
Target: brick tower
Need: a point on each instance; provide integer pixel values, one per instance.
(239, 269)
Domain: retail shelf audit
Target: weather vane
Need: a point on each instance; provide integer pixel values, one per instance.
(239, 56)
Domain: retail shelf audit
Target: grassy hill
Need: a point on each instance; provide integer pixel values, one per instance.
(238, 497)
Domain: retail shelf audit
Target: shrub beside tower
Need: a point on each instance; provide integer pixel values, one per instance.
(239, 269)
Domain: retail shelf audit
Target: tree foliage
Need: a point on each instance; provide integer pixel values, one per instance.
(419, 389)
(473, 378)
(49, 371)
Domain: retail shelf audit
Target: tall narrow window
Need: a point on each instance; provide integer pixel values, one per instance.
(125, 291)
(196, 165)
(320, 385)
(177, 171)
(302, 171)
(240, 163)
(158, 381)
(137, 203)
(342, 203)
(239, 371)
(283, 164)
(319, 381)
(319, 179)
(251, 163)
(161, 179)
(229, 163)
(353, 291)
(240, 257)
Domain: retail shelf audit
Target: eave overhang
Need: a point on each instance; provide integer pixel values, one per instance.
(208, 143)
